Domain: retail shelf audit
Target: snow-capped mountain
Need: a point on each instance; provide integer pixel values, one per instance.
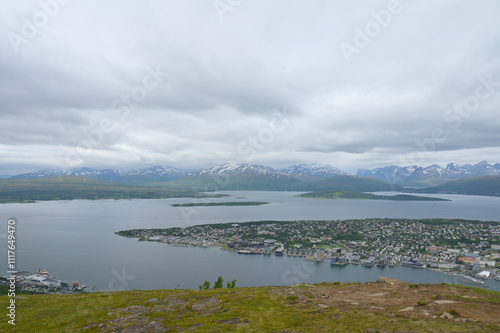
(431, 175)
(408, 175)
(295, 171)
(239, 170)
(156, 173)
(315, 169)
(392, 174)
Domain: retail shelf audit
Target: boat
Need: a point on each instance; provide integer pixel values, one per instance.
(279, 252)
(472, 279)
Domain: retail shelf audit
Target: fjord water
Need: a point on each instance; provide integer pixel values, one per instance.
(75, 240)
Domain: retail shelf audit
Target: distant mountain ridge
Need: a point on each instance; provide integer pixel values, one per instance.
(432, 175)
(167, 173)
(412, 176)
(302, 177)
(481, 185)
(152, 174)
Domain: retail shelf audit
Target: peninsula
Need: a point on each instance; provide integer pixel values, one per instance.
(366, 196)
(470, 250)
(230, 203)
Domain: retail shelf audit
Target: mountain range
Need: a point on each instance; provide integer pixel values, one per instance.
(410, 176)
(161, 181)
(145, 175)
(433, 175)
(168, 173)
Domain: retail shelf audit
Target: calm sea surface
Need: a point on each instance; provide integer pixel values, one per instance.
(76, 240)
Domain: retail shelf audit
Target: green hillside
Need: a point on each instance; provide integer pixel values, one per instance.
(239, 183)
(283, 183)
(71, 188)
(484, 185)
(351, 183)
(386, 306)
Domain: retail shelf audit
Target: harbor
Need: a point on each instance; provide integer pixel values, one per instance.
(41, 282)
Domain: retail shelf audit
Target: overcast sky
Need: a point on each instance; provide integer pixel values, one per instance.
(199, 83)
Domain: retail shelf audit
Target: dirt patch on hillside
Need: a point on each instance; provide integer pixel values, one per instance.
(392, 300)
(395, 298)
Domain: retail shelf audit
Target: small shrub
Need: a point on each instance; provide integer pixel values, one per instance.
(219, 283)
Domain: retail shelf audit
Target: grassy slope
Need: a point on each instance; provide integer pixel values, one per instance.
(70, 188)
(302, 308)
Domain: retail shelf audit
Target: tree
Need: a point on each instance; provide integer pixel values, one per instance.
(219, 283)
(231, 284)
(206, 285)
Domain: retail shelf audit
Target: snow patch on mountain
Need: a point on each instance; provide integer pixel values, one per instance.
(431, 175)
(315, 169)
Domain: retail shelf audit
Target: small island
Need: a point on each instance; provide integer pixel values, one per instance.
(231, 203)
(365, 196)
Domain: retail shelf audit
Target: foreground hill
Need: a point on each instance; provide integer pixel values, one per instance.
(386, 306)
(484, 185)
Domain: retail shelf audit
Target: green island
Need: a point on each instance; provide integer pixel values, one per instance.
(324, 307)
(366, 196)
(231, 203)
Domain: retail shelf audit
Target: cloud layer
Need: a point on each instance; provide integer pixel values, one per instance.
(201, 83)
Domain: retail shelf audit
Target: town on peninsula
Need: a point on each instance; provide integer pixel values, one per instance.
(469, 250)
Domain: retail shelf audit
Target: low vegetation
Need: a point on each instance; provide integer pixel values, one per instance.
(388, 306)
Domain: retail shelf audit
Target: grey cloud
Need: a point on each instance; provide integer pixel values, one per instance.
(227, 78)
